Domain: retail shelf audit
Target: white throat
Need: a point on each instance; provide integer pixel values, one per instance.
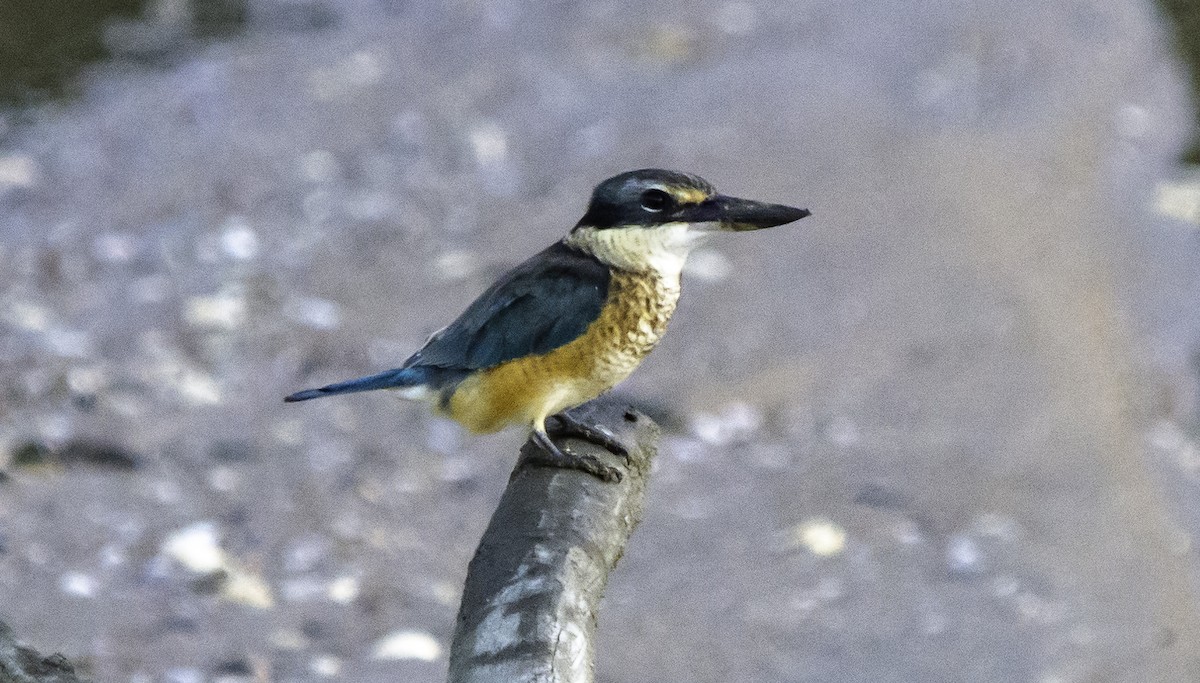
(661, 249)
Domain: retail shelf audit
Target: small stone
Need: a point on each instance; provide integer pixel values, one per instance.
(303, 589)
(320, 314)
(196, 547)
(17, 170)
(446, 592)
(78, 584)
(1179, 199)
(445, 437)
(1166, 435)
(115, 247)
(287, 639)
(683, 449)
(489, 142)
(997, 526)
(963, 555)
(28, 316)
(86, 380)
(181, 674)
(735, 423)
(199, 388)
(344, 589)
(112, 555)
(456, 264)
(1133, 121)
(414, 645)
(222, 311)
(69, 343)
(288, 432)
(821, 537)
(223, 479)
(166, 491)
(325, 666)
(306, 553)
(238, 240)
(248, 589)
(842, 431)
(320, 166)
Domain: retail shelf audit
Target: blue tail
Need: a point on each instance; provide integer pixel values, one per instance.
(390, 379)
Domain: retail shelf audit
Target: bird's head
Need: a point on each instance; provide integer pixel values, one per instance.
(652, 197)
(654, 212)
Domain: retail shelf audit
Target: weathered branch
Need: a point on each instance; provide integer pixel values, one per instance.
(533, 589)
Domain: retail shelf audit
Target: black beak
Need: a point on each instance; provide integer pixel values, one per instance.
(739, 215)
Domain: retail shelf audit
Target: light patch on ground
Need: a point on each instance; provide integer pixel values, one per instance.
(416, 645)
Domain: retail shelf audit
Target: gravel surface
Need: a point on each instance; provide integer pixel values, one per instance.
(943, 430)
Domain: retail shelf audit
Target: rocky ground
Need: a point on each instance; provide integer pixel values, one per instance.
(944, 430)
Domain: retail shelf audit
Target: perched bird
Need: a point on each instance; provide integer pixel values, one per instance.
(575, 319)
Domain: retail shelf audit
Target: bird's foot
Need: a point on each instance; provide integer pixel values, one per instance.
(571, 427)
(551, 455)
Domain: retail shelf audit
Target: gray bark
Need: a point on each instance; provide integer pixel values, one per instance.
(533, 589)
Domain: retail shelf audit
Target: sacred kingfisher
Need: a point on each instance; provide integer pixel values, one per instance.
(571, 322)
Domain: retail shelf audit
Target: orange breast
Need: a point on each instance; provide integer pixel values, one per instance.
(528, 390)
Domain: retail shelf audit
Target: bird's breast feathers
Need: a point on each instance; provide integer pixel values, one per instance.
(527, 390)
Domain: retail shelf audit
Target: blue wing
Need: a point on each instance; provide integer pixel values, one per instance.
(535, 308)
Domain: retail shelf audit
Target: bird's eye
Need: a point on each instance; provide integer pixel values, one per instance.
(655, 200)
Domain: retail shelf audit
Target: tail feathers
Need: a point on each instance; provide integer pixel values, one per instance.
(391, 379)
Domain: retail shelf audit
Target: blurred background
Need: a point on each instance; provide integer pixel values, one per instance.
(944, 430)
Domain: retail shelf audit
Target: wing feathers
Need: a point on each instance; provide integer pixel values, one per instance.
(535, 308)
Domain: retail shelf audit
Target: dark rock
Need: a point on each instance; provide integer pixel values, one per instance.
(233, 450)
(98, 454)
(30, 453)
(880, 497)
(77, 452)
(233, 667)
(23, 665)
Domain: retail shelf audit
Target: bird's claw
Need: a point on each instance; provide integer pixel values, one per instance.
(584, 463)
(548, 453)
(571, 427)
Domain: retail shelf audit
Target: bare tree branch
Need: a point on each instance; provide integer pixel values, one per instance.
(533, 589)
